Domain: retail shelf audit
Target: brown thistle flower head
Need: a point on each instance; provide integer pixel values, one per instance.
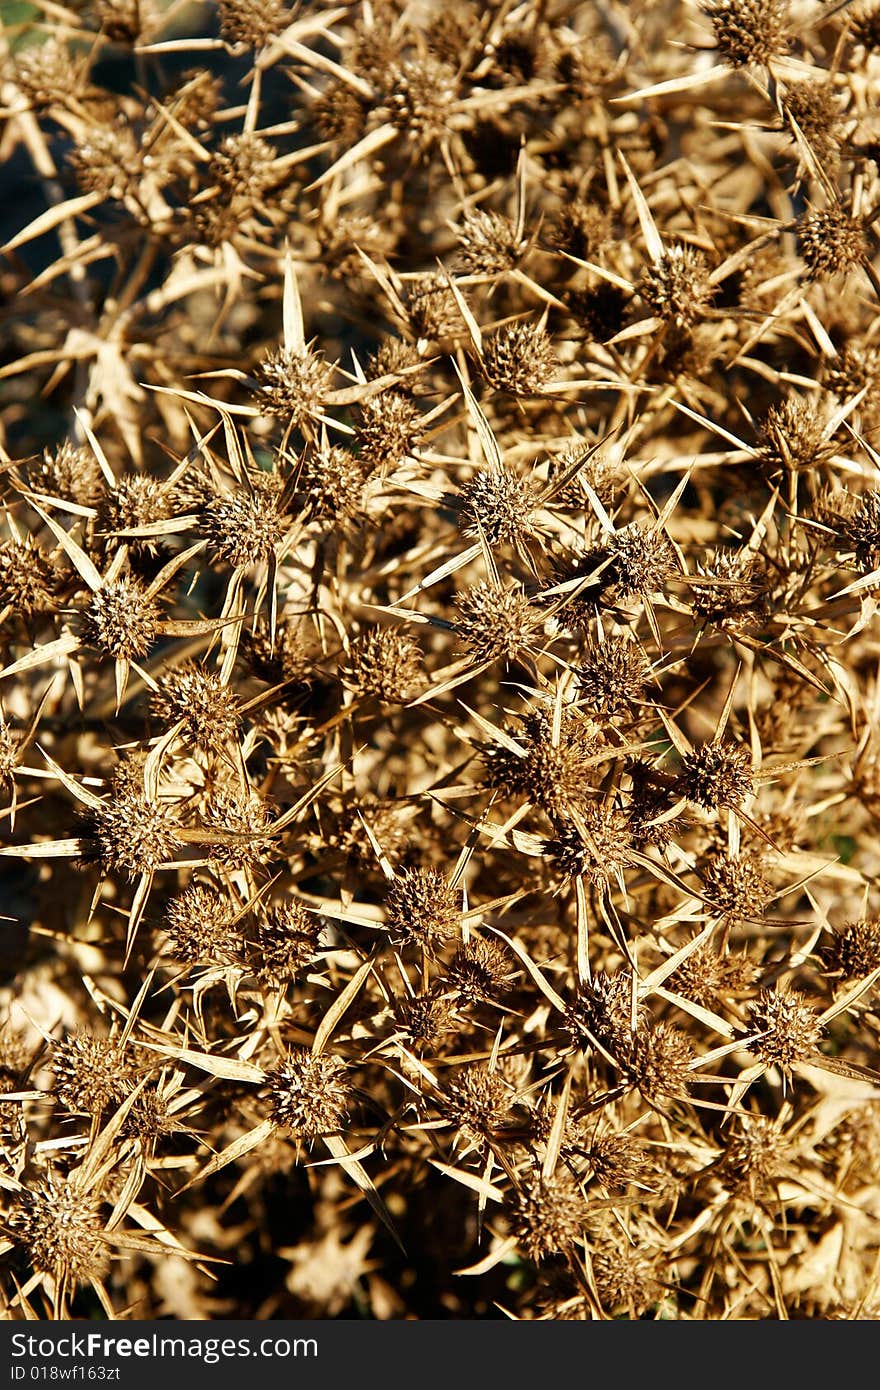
(200, 929)
(136, 500)
(601, 309)
(395, 356)
(598, 848)
(496, 623)
(121, 619)
(716, 774)
(419, 93)
(659, 1061)
(596, 471)
(334, 484)
(253, 25)
(489, 243)
(754, 1156)
(603, 1010)
(731, 589)
(340, 114)
(131, 834)
(71, 471)
(108, 161)
(92, 1074)
(293, 383)
(498, 504)
(309, 1095)
(831, 242)
(241, 182)
(386, 664)
(432, 309)
(243, 818)
(554, 775)
(618, 1161)
(197, 695)
(388, 430)
(854, 949)
(422, 909)
(581, 229)
(864, 27)
(856, 366)
(285, 942)
(738, 886)
(788, 1029)
(625, 1277)
(29, 580)
(243, 527)
(60, 1228)
(641, 560)
(749, 31)
(125, 21)
(50, 73)
(478, 1102)
(148, 1121)
(814, 109)
(550, 1216)
(290, 658)
(705, 975)
(425, 1020)
(860, 530)
(612, 676)
(677, 287)
(519, 359)
(792, 437)
(648, 803)
(480, 970)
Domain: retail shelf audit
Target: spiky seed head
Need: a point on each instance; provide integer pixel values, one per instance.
(856, 366)
(755, 1154)
(200, 929)
(28, 578)
(716, 774)
(854, 949)
(554, 773)
(121, 619)
(648, 803)
(625, 1278)
(251, 24)
(137, 500)
(792, 437)
(864, 27)
(815, 110)
(700, 977)
(91, 1074)
(107, 161)
(243, 818)
(597, 848)
(339, 113)
(290, 658)
(132, 835)
(660, 1060)
(641, 560)
(550, 1216)
(595, 470)
(334, 485)
(479, 1102)
(749, 31)
(831, 242)
(422, 909)
(860, 530)
(385, 663)
(244, 527)
(242, 176)
(293, 384)
(618, 1161)
(498, 504)
(70, 471)
(739, 886)
(488, 243)
(425, 1020)
(601, 309)
(419, 95)
(581, 229)
(125, 21)
(196, 695)
(309, 1095)
(480, 970)
(731, 589)
(393, 356)
(519, 359)
(388, 430)
(50, 72)
(789, 1030)
(61, 1230)
(149, 1121)
(285, 942)
(612, 676)
(677, 287)
(432, 309)
(496, 623)
(603, 1010)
